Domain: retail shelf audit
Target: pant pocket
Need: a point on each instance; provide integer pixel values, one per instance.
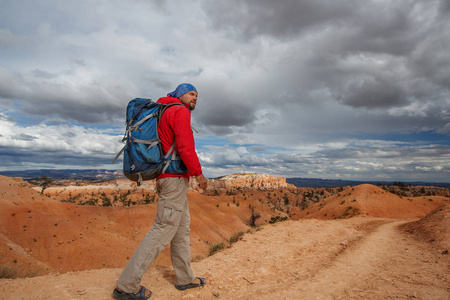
(169, 212)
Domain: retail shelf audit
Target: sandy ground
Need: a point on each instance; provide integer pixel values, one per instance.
(357, 258)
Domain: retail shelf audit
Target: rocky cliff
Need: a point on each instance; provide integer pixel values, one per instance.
(228, 182)
(248, 181)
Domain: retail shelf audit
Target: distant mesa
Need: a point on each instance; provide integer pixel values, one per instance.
(248, 180)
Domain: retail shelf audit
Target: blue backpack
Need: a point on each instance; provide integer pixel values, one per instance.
(143, 156)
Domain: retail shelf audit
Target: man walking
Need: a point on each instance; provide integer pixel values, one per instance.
(172, 218)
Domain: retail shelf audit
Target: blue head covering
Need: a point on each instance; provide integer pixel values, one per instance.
(182, 89)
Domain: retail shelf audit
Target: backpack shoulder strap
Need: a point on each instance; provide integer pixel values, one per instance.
(164, 107)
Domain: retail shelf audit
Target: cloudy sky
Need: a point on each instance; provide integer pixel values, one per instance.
(343, 89)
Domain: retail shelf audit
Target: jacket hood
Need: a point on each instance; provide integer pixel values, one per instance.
(169, 99)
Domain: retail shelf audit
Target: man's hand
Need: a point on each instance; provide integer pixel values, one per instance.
(202, 181)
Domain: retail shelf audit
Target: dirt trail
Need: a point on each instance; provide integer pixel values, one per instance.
(358, 258)
(364, 261)
(383, 264)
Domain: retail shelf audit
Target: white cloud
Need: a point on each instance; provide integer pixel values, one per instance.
(83, 145)
(312, 88)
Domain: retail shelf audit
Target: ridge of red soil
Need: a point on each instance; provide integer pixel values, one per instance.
(38, 233)
(370, 200)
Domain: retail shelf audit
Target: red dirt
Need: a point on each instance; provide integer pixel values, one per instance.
(385, 251)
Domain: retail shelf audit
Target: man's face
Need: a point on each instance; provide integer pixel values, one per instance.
(190, 98)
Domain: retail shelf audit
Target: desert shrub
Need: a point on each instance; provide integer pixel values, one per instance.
(105, 200)
(275, 219)
(44, 182)
(149, 199)
(235, 237)
(348, 212)
(215, 248)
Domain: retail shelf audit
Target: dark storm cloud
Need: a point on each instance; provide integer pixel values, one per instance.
(444, 7)
(37, 95)
(65, 57)
(297, 87)
(13, 157)
(371, 92)
(366, 54)
(225, 113)
(279, 19)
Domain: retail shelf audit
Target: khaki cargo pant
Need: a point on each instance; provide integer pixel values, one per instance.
(171, 226)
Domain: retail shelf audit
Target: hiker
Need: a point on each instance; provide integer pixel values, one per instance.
(172, 217)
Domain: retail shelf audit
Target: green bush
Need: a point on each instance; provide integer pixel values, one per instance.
(276, 219)
(215, 248)
(235, 237)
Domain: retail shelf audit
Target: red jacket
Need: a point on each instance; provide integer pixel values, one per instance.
(175, 126)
